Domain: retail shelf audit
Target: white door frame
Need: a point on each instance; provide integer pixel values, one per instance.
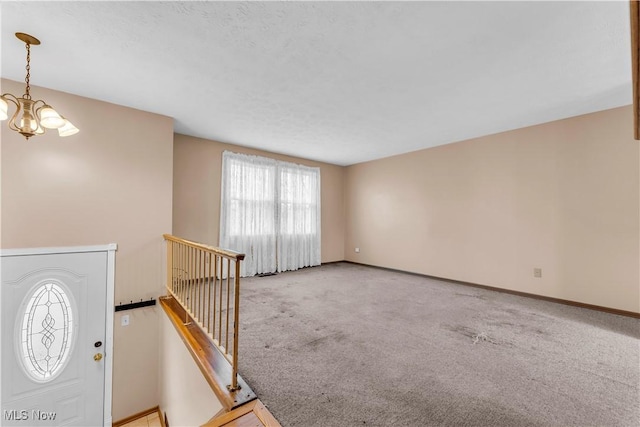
(111, 264)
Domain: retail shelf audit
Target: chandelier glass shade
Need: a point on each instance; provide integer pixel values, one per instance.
(32, 117)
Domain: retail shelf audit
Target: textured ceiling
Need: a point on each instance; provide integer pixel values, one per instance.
(340, 82)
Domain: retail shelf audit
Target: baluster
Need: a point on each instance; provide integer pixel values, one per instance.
(226, 345)
(209, 256)
(203, 274)
(215, 288)
(236, 327)
(174, 264)
(198, 314)
(189, 287)
(220, 305)
(193, 280)
(183, 272)
(169, 265)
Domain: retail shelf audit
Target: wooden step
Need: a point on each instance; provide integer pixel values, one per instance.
(252, 414)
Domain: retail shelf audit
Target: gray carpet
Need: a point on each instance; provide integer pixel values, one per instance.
(348, 345)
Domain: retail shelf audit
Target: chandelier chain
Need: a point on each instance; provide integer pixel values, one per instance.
(28, 68)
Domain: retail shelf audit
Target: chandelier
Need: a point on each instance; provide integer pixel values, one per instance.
(31, 117)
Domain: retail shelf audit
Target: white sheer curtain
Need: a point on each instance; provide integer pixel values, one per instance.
(270, 211)
(298, 217)
(247, 215)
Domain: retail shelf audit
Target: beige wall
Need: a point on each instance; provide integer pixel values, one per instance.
(186, 398)
(109, 183)
(563, 196)
(196, 193)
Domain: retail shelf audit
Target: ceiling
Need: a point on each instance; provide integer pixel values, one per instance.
(339, 82)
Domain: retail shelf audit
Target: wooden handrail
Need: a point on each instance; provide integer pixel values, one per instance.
(223, 252)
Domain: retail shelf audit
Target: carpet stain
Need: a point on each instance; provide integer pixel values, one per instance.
(337, 337)
(460, 329)
(480, 297)
(482, 336)
(475, 335)
(520, 329)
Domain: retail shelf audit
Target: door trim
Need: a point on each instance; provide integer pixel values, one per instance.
(59, 250)
(108, 369)
(111, 264)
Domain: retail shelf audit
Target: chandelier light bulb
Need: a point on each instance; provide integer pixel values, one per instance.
(49, 118)
(67, 129)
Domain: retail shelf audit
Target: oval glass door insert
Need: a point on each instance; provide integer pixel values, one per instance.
(46, 332)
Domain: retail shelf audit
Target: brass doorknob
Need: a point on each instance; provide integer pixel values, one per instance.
(97, 357)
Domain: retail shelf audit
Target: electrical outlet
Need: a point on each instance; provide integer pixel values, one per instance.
(124, 320)
(357, 250)
(537, 272)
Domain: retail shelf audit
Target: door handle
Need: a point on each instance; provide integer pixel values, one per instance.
(97, 357)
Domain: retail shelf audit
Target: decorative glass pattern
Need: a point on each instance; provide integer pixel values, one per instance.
(47, 332)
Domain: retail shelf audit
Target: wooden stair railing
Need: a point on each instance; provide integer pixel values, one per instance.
(203, 302)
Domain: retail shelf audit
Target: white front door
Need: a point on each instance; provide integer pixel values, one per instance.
(54, 339)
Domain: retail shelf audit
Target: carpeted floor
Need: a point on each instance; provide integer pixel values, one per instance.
(348, 345)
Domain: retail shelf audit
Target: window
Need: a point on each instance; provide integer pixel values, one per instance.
(46, 332)
(298, 201)
(270, 211)
(248, 196)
